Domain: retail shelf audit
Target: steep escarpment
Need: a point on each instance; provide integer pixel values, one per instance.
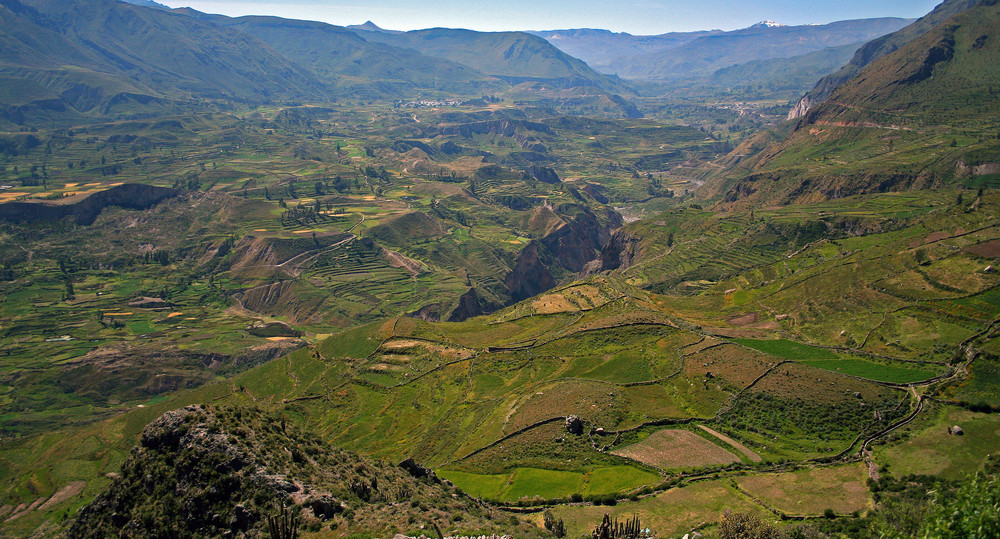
(620, 252)
(222, 471)
(532, 274)
(572, 241)
(131, 196)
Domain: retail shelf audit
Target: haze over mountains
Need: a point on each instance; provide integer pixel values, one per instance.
(697, 54)
(118, 51)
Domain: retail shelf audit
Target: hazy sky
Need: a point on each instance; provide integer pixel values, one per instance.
(632, 16)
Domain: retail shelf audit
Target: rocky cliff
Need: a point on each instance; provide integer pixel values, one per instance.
(131, 196)
(565, 249)
(620, 252)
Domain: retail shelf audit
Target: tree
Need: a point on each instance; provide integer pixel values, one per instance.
(70, 294)
(972, 512)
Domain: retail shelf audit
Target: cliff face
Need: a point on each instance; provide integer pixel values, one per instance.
(566, 249)
(531, 275)
(131, 196)
(469, 305)
(619, 253)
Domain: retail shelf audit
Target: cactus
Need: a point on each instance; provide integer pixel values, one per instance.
(612, 529)
(284, 525)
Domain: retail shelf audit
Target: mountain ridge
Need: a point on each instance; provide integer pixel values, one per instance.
(512, 56)
(876, 49)
(916, 118)
(708, 53)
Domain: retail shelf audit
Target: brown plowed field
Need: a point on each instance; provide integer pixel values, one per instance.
(676, 449)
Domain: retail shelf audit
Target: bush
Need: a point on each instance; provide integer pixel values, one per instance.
(746, 526)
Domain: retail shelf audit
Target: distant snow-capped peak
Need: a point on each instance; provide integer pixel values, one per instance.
(767, 24)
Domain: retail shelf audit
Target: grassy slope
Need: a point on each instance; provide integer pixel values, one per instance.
(879, 47)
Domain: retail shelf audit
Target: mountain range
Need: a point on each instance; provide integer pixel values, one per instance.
(699, 54)
(99, 57)
(111, 58)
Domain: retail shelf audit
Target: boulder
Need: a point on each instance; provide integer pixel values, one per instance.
(325, 507)
(418, 471)
(574, 425)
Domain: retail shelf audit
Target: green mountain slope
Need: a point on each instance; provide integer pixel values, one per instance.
(342, 57)
(512, 56)
(876, 49)
(922, 116)
(103, 56)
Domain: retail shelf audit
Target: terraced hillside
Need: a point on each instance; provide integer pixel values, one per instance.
(764, 372)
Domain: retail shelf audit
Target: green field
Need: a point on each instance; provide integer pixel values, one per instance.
(786, 349)
(896, 374)
(929, 450)
(427, 294)
(529, 483)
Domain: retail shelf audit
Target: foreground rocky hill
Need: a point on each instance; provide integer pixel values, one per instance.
(209, 471)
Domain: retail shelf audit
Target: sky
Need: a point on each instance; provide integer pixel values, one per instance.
(640, 17)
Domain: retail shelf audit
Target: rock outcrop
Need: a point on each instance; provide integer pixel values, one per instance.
(543, 174)
(574, 425)
(531, 275)
(210, 471)
(620, 252)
